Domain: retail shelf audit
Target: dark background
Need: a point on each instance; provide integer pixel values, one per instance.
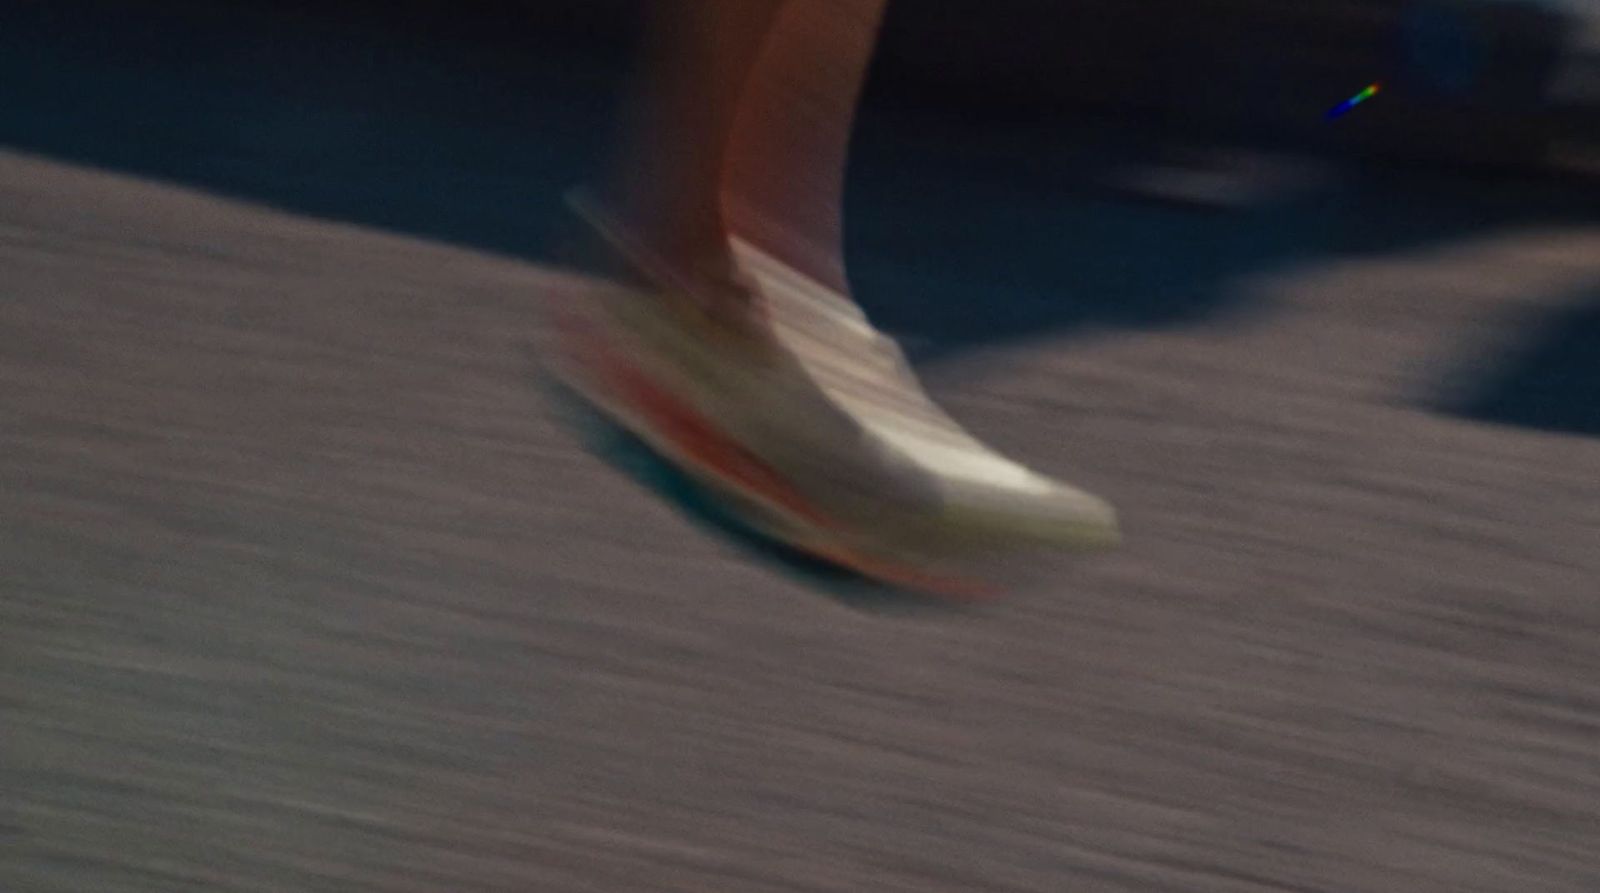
(467, 121)
(1464, 81)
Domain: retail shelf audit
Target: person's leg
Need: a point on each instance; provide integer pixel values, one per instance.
(783, 186)
(666, 185)
(744, 127)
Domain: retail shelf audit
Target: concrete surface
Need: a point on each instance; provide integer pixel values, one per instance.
(303, 588)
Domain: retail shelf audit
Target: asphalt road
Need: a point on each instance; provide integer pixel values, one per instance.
(304, 587)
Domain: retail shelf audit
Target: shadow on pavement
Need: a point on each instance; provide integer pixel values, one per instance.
(419, 118)
(1551, 383)
(466, 124)
(961, 243)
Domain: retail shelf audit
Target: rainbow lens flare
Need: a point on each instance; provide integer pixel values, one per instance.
(1353, 101)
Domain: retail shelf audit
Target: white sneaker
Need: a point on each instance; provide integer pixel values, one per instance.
(810, 424)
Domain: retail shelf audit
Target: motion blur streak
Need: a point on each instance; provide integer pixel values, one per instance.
(303, 587)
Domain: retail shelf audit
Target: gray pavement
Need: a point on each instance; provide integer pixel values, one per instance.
(304, 587)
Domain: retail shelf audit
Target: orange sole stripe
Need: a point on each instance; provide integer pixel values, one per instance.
(694, 434)
(690, 431)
